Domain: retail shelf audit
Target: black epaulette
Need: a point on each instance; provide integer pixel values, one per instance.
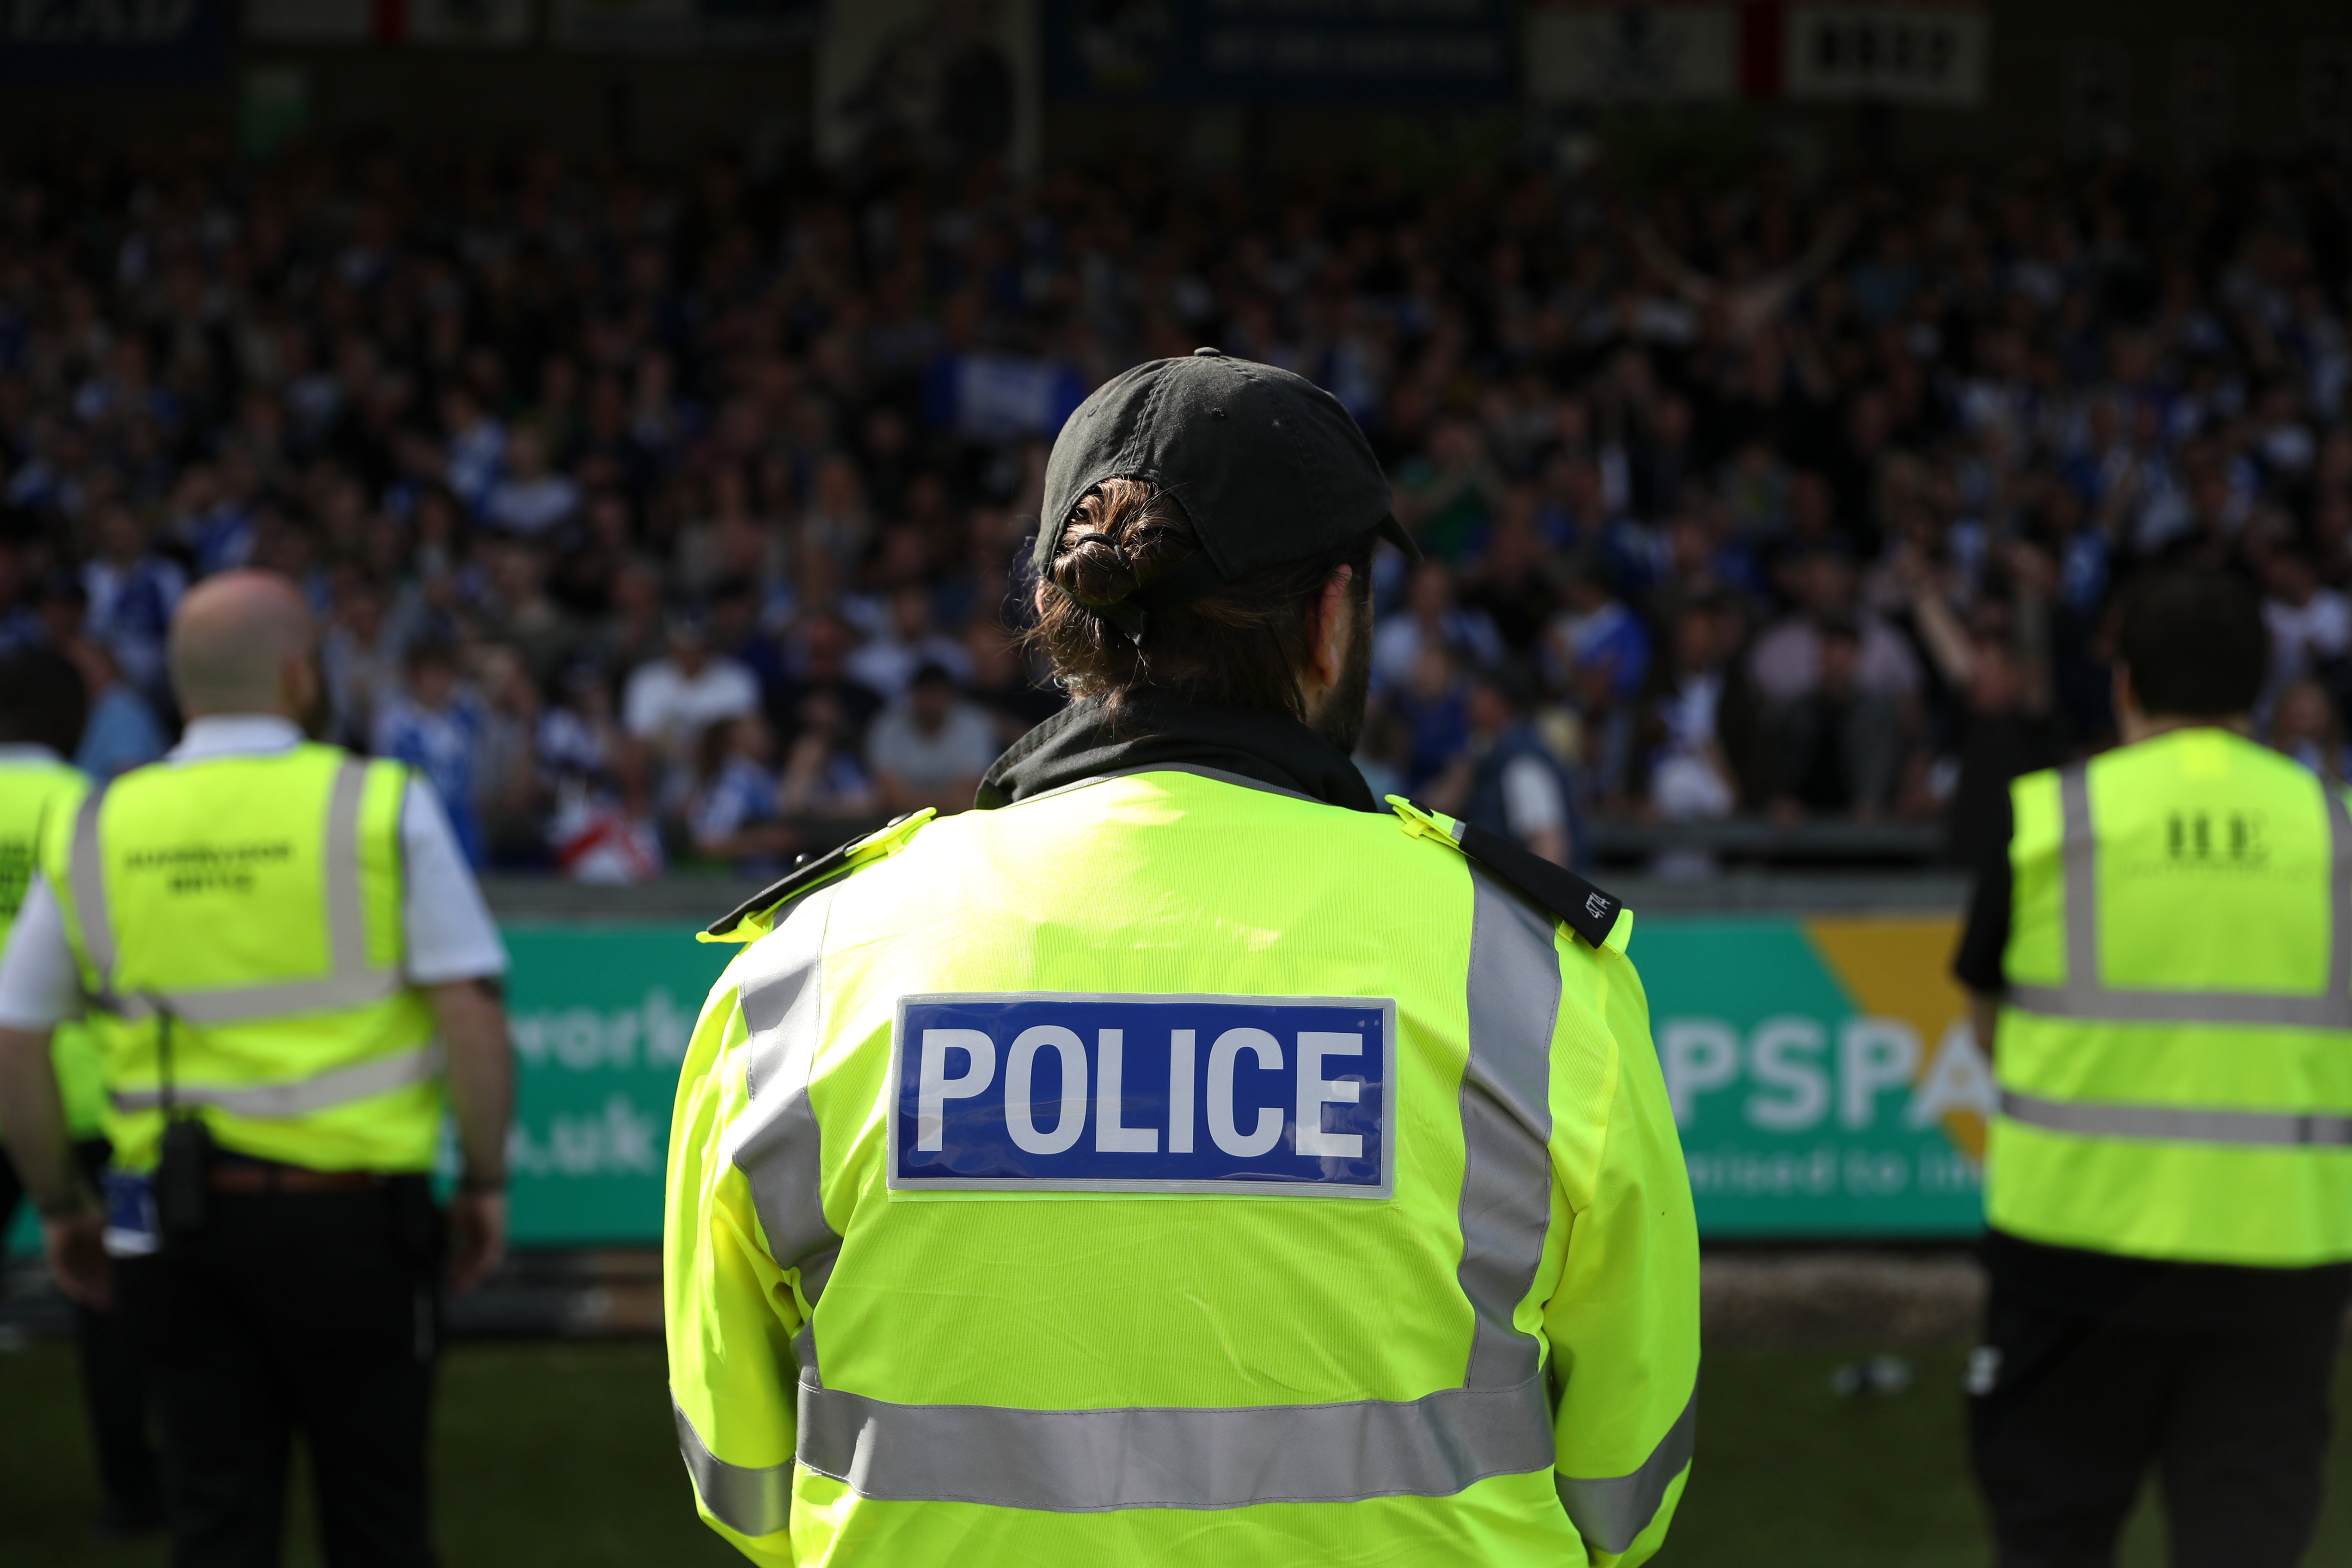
(1585, 909)
(807, 873)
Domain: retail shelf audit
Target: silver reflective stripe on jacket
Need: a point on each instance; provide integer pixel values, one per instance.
(1088, 1461)
(1514, 1006)
(1498, 1422)
(2179, 1123)
(775, 1142)
(351, 982)
(305, 1097)
(749, 1501)
(1515, 994)
(1611, 1514)
(2084, 996)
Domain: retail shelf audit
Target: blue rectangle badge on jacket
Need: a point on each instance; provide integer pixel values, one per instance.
(1248, 1096)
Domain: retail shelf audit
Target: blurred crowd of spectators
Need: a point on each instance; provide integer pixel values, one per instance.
(656, 519)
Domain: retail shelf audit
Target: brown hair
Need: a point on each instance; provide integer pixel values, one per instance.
(1241, 645)
(2194, 643)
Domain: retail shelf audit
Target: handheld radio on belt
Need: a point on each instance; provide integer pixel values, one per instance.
(184, 1169)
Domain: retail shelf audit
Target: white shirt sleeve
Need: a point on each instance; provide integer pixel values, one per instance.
(976, 746)
(738, 692)
(645, 701)
(450, 933)
(1531, 801)
(2331, 631)
(40, 985)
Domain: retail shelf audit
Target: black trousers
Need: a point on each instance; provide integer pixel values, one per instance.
(113, 1385)
(2068, 1413)
(308, 1313)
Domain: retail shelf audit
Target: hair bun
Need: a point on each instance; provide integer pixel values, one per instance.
(1093, 570)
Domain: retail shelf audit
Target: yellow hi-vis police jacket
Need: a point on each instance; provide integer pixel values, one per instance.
(1171, 1169)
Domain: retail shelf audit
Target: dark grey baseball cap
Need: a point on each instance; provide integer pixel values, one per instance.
(1267, 464)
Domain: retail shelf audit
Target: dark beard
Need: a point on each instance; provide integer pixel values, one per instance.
(1339, 718)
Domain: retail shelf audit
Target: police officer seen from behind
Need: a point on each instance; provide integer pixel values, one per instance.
(1182, 1159)
(2163, 957)
(42, 704)
(286, 964)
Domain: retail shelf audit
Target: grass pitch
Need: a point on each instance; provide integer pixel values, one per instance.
(562, 1454)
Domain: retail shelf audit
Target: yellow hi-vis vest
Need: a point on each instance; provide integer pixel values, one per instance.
(2175, 1048)
(31, 794)
(256, 901)
(916, 1313)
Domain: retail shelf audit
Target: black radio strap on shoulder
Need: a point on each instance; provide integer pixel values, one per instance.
(1582, 906)
(183, 1163)
(163, 1062)
(807, 872)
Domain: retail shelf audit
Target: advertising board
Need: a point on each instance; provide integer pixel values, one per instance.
(601, 1016)
(1384, 53)
(1923, 52)
(1822, 1070)
(113, 43)
(1822, 1073)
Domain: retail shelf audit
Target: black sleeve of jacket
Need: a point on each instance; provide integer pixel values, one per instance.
(1976, 965)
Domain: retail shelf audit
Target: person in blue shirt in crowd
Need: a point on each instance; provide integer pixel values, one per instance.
(435, 726)
(1505, 779)
(123, 732)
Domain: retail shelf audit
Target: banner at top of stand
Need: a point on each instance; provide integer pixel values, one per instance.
(481, 23)
(112, 43)
(669, 26)
(1926, 52)
(1415, 53)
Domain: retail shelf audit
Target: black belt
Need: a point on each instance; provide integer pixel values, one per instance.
(243, 1176)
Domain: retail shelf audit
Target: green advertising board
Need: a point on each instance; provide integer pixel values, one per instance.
(1821, 1071)
(601, 1017)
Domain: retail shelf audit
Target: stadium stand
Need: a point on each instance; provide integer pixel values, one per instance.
(645, 516)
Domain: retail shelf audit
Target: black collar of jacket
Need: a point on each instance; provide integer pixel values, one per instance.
(1089, 740)
(1092, 740)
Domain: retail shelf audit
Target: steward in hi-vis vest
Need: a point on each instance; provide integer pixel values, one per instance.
(238, 918)
(1184, 1160)
(37, 787)
(42, 704)
(285, 961)
(2176, 1035)
(2165, 952)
